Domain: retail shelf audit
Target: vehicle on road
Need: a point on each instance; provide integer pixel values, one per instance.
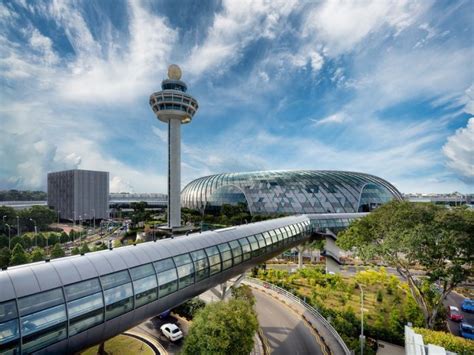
(171, 331)
(454, 314)
(468, 305)
(466, 330)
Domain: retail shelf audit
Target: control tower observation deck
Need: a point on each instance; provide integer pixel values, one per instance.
(173, 106)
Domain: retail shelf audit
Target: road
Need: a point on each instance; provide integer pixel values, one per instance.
(455, 299)
(287, 332)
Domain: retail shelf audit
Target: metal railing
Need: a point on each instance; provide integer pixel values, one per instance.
(308, 307)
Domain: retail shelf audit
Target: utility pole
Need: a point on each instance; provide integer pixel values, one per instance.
(36, 232)
(362, 338)
(9, 235)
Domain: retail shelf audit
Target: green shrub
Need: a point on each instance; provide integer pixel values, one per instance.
(447, 340)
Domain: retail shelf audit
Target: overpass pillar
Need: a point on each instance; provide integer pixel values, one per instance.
(332, 253)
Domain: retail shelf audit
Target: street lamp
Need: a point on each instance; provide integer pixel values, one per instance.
(58, 215)
(93, 214)
(362, 338)
(9, 235)
(18, 226)
(4, 218)
(36, 232)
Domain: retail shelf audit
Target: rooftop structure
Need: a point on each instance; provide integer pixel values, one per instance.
(290, 192)
(173, 106)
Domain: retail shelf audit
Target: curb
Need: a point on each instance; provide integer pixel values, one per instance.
(153, 343)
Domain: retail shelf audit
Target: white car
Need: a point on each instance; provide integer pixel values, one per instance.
(171, 331)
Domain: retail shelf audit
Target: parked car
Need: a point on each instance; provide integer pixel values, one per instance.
(454, 314)
(171, 331)
(468, 305)
(466, 330)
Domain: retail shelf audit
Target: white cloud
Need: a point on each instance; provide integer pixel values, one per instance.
(235, 27)
(459, 150)
(117, 184)
(341, 25)
(339, 117)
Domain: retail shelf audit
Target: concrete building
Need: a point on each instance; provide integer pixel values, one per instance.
(173, 106)
(79, 194)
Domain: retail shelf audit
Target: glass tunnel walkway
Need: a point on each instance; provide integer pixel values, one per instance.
(68, 304)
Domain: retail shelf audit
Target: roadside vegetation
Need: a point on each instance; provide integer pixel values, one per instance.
(409, 235)
(388, 305)
(121, 345)
(225, 327)
(448, 341)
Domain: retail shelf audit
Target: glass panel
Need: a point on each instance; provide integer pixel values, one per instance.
(214, 260)
(167, 281)
(40, 301)
(185, 274)
(261, 241)
(115, 279)
(254, 245)
(245, 248)
(43, 319)
(163, 265)
(118, 300)
(7, 311)
(140, 272)
(226, 254)
(201, 264)
(199, 254)
(82, 289)
(145, 290)
(236, 251)
(8, 331)
(85, 305)
(86, 321)
(43, 338)
(182, 259)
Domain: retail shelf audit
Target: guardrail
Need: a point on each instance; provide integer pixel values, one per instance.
(308, 307)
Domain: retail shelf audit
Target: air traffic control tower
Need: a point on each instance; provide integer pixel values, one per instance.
(173, 106)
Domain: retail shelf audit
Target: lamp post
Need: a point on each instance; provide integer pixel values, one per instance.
(18, 226)
(362, 338)
(93, 219)
(36, 232)
(58, 215)
(9, 235)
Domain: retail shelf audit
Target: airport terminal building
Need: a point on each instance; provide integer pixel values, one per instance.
(290, 192)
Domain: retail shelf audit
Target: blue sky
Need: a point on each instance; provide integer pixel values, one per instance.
(382, 87)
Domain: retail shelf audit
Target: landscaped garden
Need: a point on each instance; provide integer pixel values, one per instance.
(388, 304)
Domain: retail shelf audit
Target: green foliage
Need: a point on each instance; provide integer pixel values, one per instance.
(57, 251)
(16, 195)
(85, 248)
(63, 238)
(405, 235)
(243, 292)
(379, 296)
(5, 256)
(222, 328)
(189, 308)
(75, 251)
(447, 340)
(19, 255)
(37, 255)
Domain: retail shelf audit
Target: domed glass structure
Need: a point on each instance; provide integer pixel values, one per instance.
(290, 192)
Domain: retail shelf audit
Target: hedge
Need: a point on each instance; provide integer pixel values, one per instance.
(447, 340)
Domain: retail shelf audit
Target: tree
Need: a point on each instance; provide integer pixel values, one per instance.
(85, 248)
(75, 251)
(405, 235)
(57, 251)
(5, 256)
(37, 255)
(19, 255)
(243, 292)
(64, 238)
(222, 328)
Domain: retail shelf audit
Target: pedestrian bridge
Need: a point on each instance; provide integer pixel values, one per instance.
(68, 304)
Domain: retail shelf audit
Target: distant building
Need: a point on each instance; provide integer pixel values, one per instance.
(79, 194)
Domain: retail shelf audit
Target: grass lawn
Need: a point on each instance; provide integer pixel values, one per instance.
(122, 345)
